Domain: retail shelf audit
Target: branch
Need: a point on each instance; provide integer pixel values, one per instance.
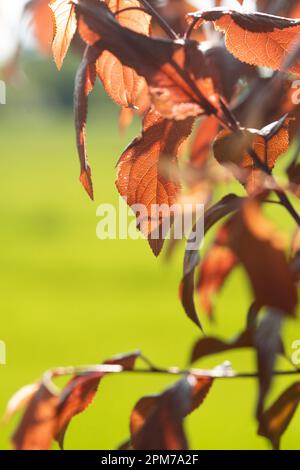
(190, 28)
(123, 10)
(162, 23)
(223, 371)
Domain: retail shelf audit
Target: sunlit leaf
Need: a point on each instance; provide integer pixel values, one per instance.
(255, 38)
(145, 174)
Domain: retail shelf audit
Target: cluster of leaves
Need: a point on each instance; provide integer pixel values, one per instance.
(205, 87)
(156, 421)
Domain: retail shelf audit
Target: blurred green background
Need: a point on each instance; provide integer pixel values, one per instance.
(69, 299)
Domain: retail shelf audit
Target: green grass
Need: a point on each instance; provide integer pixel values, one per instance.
(68, 298)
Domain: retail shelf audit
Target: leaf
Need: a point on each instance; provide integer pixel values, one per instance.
(247, 339)
(208, 346)
(157, 421)
(226, 70)
(255, 38)
(261, 250)
(268, 343)
(278, 417)
(42, 23)
(146, 175)
(220, 210)
(179, 81)
(214, 270)
(83, 84)
(268, 144)
(20, 400)
(202, 142)
(48, 413)
(35, 432)
(80, 392)
(65, 25)
(122, 83)
(74, 399)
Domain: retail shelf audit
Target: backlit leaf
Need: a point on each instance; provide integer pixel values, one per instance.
(157, 421)
(83, 84)
(42, 23)
(65, 28)
(277, 418)
(214, 270)
(255, 38)
(213, 215)
(179, 81)
(202, 142)
(122, 83)
(80, 392)
(261, 250)
(145, 174)
(268, 144)
(37, 427)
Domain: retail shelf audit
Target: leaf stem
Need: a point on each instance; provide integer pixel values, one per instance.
(190, 28)
(123, 10)
(220, 372)
(161, 21)
(284, 200)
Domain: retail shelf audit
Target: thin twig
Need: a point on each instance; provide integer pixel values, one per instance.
(123, 10)
(190, 28)
(220, 372)
(288, 205)
(161, 21)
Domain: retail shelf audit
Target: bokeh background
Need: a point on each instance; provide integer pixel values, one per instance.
(68, 298)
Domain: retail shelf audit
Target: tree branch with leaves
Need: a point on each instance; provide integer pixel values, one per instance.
(202, 87)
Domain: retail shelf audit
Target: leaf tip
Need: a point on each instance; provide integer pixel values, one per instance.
(86, 181)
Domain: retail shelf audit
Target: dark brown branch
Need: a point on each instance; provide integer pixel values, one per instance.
(190, 28)
(162, 23)
(222, 372)
(123, 10)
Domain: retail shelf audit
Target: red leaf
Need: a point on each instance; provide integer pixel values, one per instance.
(74, 399)
(202, 143)
(37, 427)
(261, 249)
(42, 23)
(145, 173)
(157, 421)
(214, 270)
(255, 38)
(48, 414)
(269, 143)
(20, 400)
(64, 30)
(122, 83)
(220, 210)
(208, 346)
(80, 392)
(277, 418)
(83, 84)
(176, 71)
